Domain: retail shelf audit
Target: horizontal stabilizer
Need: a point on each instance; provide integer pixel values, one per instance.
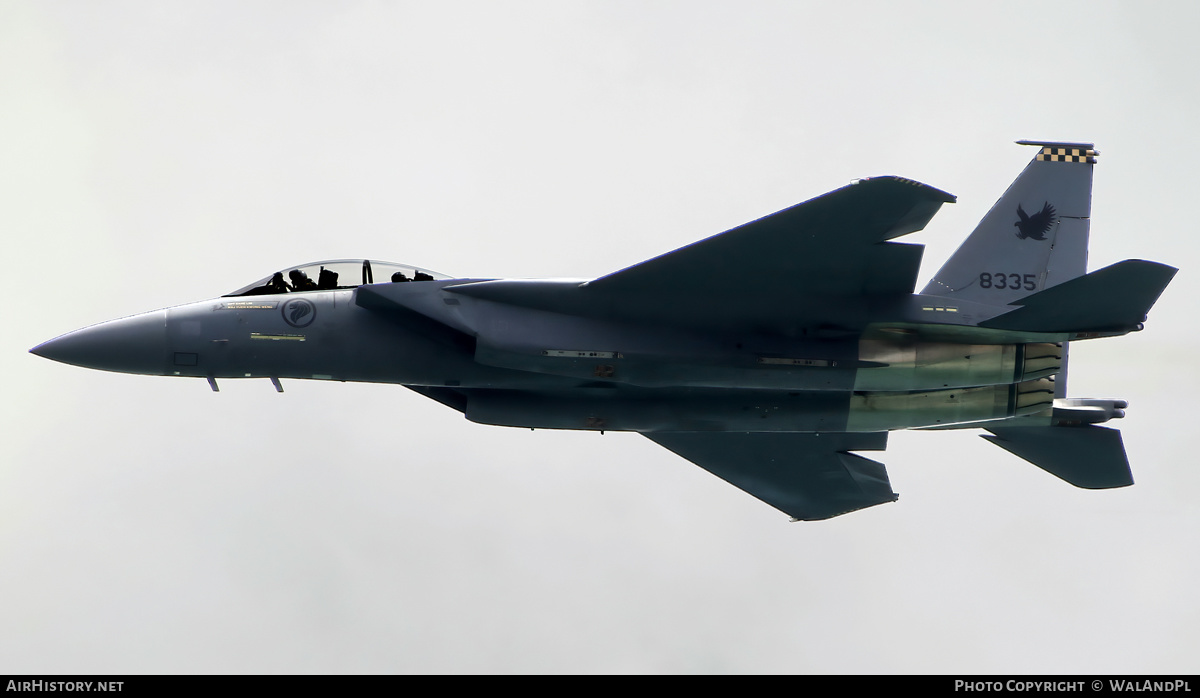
(1090, 457)
(1117, 297)
(808, 476)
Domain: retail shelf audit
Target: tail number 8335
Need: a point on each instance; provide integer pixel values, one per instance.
(1027, 282)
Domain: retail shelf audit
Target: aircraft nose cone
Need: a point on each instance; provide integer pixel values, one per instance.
(135, 344)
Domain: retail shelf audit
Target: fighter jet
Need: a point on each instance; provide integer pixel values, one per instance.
(769, 354)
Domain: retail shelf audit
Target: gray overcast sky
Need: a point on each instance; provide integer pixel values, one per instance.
(153, 154)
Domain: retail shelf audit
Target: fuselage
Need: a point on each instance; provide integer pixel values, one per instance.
(514, 365)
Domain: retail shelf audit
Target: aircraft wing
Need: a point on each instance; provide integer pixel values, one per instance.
(835, 244)
(808, 264)
(808, 476)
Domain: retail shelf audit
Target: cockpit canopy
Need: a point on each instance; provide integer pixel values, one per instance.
(336, 274)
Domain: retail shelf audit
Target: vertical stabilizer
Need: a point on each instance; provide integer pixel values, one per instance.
(1036, 236)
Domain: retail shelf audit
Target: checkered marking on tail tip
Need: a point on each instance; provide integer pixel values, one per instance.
(1052, 154)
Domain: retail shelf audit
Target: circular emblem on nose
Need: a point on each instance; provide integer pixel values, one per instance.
(299, 312)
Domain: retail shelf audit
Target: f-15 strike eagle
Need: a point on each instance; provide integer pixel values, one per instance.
(768, 354)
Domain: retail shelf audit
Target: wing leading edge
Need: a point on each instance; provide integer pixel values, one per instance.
(835, 244)
(790, 268)
(807, 476)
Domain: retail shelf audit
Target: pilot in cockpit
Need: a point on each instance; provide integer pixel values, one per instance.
(277, 284)
(300, 281)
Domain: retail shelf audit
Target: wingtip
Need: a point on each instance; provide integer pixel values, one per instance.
(935, 193)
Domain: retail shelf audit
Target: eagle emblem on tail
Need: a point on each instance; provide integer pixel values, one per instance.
(1037, 225)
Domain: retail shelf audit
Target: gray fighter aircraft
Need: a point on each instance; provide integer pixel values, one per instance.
(768, 354)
